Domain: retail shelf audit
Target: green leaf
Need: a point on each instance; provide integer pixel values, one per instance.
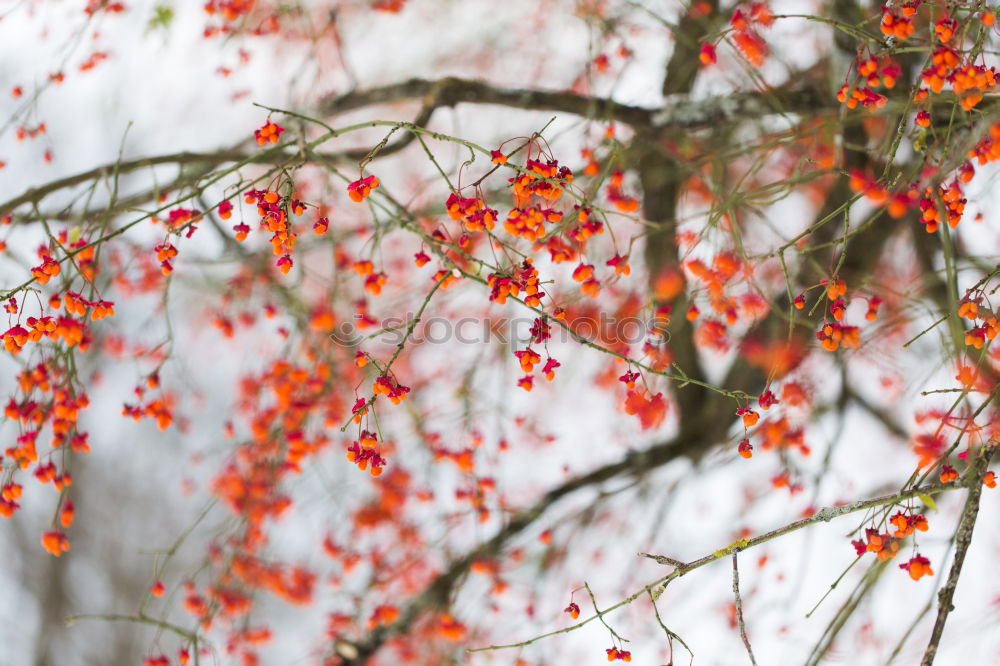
(928, 500)
(162, 16)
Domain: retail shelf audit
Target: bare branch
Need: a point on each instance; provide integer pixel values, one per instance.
(963, 537)
(739, 609)
(453, 91)
(679, 111)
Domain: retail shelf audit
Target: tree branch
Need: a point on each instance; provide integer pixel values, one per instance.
(739, 608)
(963, 537)
(825, 514)
(453, 91)
(439, 590)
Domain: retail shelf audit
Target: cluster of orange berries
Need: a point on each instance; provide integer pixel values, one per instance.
(178, 217)
(987, 330)
(832, 335)
(62, 411)
(82, 255)
(706, 56)
(382, 615)
(651, 409)
(390, 388)
(373, 281)
(164, 253)
(445, 277)
(745, 22)
(361, 188)
(988, 148)
(76, 304)
(863, 183)
(898, 21)
(69, 330)
(529, 223)
(587, 228)
(561, 252)
(874, 74)
(725, 266)
(970, 82)
(23, 132)
(614, 654)
(917, 567)
(25, 451)
(230, 10)
(885, 72)
(951, 195)
(159, 660)
(620, 264)
(866, 97)
(158, 409)
(48, 269)
(584, 274)
(616, 195)
(274, 212)
(750, 417)
(529, 358)
(56, 543)
(523, 280)
(268, 133)
(952, 199)
(907, 523)
(363, 453)
(545, 180)
(450, 628)
(473, 211)
(884, 546)
(15, 338)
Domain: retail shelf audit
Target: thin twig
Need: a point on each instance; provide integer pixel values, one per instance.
(663, 559)
(963, 537)
(670, 634)
(600, 614)
(739, 609)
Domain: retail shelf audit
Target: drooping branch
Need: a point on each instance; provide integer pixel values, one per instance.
(825, 514)
(438, 592)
